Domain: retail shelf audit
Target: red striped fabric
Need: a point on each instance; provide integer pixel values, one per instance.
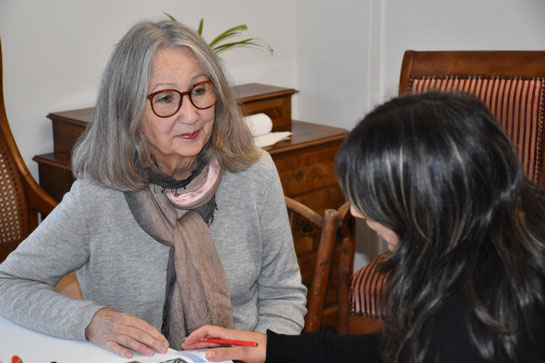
(366, 289)
(517, 102)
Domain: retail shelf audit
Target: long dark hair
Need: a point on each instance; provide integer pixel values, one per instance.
(438, 170)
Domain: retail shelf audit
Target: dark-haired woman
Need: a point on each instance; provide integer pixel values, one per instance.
(438, 179)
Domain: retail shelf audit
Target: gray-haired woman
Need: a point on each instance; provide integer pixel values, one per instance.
(176, 219)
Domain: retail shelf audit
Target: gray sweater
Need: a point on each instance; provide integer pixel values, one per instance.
(120, 266)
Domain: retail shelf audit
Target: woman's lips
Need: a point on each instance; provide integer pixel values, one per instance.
(190, 136)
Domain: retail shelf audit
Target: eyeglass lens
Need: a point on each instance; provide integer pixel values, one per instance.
(202, 95)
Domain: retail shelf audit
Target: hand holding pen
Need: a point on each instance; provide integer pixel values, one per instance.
(244, 345)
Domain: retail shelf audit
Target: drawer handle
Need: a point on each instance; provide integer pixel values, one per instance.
(299, 175)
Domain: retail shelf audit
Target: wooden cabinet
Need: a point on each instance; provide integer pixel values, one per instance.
(304, 163)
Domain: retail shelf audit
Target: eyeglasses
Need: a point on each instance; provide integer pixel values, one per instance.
(167, 102)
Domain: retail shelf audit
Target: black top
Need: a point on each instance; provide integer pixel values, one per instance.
(450, 343)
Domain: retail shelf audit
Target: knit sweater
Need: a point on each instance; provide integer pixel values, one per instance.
(120, 266)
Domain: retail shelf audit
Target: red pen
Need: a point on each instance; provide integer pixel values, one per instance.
(229, 342)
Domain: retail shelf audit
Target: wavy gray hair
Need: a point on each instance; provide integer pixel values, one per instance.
(113, 150)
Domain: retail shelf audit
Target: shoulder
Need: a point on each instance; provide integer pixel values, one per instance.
(91, 193)
(263, 168)
(84, 207)
(256, 181)
(88, 185)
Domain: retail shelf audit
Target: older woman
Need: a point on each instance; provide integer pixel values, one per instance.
(176, 219)
(438, 179)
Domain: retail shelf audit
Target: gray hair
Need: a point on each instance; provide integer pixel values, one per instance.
(113, 150)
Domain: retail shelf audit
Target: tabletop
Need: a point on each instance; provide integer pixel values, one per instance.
(34, 347)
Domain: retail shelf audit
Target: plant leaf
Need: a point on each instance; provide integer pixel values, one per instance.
(249, 41)
(236, 30)
(267, 45)
(199, 31)
(228, 33)
(170, 16)
(222, 47)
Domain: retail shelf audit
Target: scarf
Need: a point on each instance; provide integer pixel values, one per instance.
(176, 214)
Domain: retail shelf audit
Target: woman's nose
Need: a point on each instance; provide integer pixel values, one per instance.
(188, 114)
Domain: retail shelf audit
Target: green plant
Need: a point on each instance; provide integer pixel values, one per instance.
(217, 45)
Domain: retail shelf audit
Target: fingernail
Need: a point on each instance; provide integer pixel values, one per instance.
(210, 354)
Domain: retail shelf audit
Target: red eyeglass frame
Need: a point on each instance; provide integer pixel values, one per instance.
(182, 94)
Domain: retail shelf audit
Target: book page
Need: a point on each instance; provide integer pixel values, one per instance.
(184, 356)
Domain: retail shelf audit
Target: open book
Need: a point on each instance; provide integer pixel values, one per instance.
(184, 356)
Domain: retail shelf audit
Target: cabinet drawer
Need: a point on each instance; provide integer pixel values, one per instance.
(322, 199)
(307, 171)
(278, 109)
(67, 128)
(271, 100)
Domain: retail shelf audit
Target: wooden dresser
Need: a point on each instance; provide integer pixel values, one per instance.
(304, 162)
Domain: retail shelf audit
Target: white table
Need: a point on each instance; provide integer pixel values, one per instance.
(34, 347)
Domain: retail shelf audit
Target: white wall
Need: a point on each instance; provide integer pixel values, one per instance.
(457, 25)
(349, 52)
(333, 43)
(54, 51)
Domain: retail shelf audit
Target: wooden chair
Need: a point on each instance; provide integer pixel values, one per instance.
(510, 83)
(21, 198)
(357, 314)
(319, 234)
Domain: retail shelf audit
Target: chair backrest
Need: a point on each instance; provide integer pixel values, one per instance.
(319, 232)
(510, 83)
(21, 198)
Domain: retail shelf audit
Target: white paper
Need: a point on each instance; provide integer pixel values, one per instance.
(184, 356)
(271, 138)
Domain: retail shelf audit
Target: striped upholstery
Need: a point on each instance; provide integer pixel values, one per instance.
(517, 102)
(366, 289)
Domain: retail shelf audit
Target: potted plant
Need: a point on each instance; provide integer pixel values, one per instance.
(219, 45)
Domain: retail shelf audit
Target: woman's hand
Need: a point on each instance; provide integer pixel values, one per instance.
(117, 331)
(245, 354)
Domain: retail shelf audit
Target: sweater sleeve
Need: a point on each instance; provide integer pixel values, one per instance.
(28, 276)
(323, 348)
(281, 296)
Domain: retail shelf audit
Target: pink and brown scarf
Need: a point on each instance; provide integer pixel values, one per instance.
(197, 292)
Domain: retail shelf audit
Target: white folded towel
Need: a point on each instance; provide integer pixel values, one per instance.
(259, 124)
